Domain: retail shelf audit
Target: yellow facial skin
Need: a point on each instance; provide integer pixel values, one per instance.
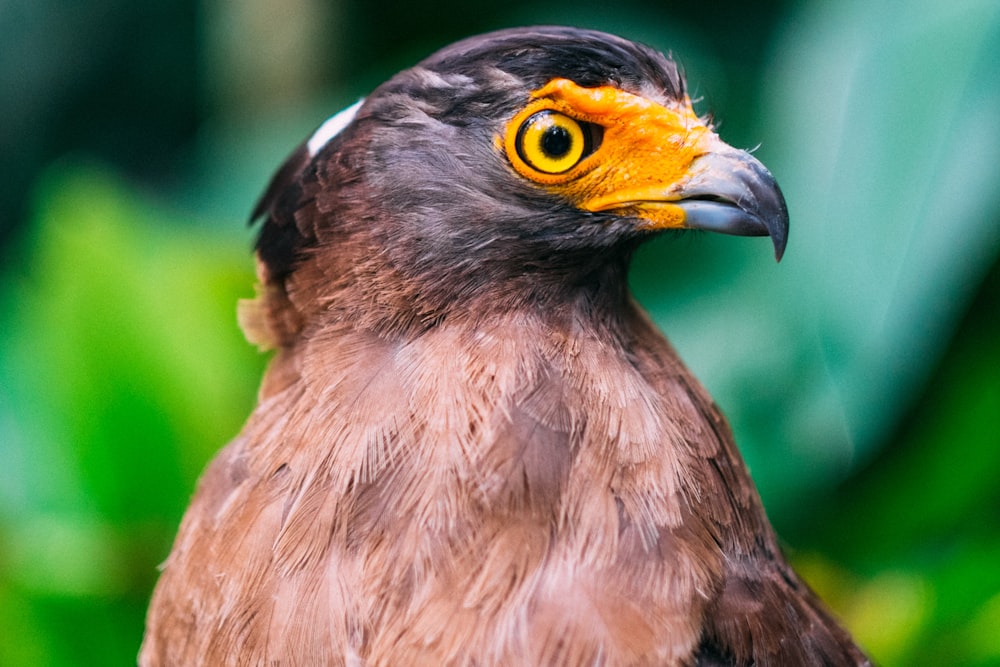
(641, 163)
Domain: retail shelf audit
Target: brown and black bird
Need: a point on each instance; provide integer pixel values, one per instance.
(472, 447)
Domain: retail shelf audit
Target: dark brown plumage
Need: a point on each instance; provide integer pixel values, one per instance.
(472, 447)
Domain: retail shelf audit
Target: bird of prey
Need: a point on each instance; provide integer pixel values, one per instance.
(472, 447)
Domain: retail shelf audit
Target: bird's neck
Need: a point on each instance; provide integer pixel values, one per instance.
(515, 401)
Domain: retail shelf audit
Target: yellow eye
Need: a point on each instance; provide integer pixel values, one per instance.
(552, 142)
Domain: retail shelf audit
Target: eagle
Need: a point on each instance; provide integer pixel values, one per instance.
(472, 447)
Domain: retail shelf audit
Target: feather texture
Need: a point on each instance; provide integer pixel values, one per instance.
(472, 447)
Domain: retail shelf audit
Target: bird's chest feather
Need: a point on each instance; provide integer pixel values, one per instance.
(510, 493)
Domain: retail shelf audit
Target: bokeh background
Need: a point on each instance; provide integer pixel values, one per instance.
(862, 374)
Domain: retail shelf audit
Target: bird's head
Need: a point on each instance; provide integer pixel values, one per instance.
(506, 163)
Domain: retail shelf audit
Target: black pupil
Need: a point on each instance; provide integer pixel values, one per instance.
(556, 141)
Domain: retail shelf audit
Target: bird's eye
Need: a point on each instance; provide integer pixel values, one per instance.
(554, 143)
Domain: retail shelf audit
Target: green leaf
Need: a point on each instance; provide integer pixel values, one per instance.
(122, 370)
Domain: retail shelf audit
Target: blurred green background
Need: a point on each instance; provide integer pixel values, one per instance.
(862, 374)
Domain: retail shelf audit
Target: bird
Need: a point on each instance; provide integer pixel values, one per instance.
(471, 445)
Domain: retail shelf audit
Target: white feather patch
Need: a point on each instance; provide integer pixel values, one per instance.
(332, 128)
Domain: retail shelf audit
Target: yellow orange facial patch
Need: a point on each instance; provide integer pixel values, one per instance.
(639, 157)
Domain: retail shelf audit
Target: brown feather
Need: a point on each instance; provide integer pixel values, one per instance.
(458, 516)
(498, 462)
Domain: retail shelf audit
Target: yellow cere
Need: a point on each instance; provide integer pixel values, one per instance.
(640, 164)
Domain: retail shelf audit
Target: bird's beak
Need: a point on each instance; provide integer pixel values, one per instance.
(730, 191)
(724, 190)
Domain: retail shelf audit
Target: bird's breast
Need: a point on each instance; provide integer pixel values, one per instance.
(518, 486)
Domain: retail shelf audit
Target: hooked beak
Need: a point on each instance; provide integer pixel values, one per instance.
(733, 193)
